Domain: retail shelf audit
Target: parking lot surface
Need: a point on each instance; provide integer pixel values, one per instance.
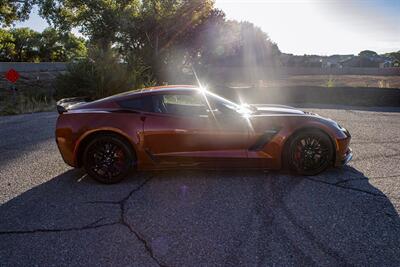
(52, 215)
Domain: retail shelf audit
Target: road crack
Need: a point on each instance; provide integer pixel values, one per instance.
(122, 220)
(338, 184)
(93, 225)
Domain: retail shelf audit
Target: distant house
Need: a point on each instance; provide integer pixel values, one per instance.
(390, 63)
(335, 61)
(290, 60)
(365, 60)
(361, 62)
(370, 61)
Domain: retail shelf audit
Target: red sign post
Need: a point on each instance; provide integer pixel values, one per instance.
(12, 75)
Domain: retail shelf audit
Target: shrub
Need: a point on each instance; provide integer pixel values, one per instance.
(101, 74)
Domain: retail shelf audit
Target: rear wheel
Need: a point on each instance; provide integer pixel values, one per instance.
(108, 159)
(310, 152)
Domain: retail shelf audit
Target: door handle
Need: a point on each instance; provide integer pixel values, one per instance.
(180, 131)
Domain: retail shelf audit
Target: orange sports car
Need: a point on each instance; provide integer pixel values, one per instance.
(188, 127)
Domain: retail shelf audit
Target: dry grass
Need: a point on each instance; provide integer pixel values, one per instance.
(325, 81)
(338, 81)
(24, 103)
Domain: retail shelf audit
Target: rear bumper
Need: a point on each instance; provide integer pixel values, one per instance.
(65, 151)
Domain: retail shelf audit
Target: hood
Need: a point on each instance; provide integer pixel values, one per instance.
(277, 109)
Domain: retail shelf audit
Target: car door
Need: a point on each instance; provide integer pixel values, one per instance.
(184, 131)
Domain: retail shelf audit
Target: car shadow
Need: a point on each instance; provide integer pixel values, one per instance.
(220, 217)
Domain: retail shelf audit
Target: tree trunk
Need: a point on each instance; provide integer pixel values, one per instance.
(156, 48)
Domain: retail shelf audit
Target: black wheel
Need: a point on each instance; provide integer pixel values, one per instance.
(108, 159)
(310, 152)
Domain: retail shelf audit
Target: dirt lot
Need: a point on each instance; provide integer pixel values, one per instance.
(338, 81)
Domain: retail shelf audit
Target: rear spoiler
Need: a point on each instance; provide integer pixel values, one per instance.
(67, 103)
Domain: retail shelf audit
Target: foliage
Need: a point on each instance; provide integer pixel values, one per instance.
(7, 47)
(24, 44)
(166, 30)
(158, 39)
(394, 55)
(101, 75)
(56, 46)
(167, 36)
(368, 53)
(238, 44)
(12, 10)
(100, 20)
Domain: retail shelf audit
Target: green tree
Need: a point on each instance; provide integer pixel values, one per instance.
(166, 35)
(99, 20)
(26, 44)
(394, 55)
(58, 46)
(7, 47)
(13, 10)
(75, 47)
(368, 53)
(166, 30)
(148, 29)
(232, 43)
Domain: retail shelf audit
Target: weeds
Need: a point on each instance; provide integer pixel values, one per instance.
(383, 84)
(330, 82)
(26, 103)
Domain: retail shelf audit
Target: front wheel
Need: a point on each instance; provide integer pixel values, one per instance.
(310, 152)
(108, 159)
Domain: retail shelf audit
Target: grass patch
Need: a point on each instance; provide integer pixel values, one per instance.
(330, 82)
(26, 103)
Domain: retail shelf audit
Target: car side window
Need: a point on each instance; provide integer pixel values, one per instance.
(180, 104)
(139, 103)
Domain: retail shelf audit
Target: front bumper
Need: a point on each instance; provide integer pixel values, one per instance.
(348, 156)
(343, 151)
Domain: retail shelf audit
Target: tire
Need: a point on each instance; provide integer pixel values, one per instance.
(309, 153)
(108, 159)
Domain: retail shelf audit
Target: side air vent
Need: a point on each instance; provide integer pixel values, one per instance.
(264, 139)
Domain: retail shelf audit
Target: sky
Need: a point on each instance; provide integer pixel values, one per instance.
(322, 27)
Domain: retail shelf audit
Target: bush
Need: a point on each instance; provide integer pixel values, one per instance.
(101, 74)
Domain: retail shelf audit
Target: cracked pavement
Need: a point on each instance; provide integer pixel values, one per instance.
(52, 215)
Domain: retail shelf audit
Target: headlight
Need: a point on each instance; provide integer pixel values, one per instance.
(344, 130)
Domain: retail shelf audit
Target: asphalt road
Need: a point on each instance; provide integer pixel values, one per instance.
(52, 215)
